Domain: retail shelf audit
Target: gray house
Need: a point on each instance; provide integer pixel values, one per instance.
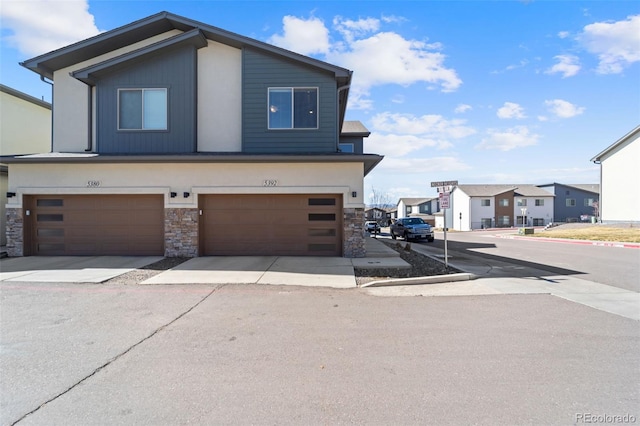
(573, 202)
(173, 137)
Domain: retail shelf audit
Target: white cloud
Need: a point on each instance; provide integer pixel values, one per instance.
(462, 108)
(376, 57)
(351, 29)
(40, 26)
(398, 145)
(419, 165)
(563, 109)
(568, 66)
(511, 110)
(563, 34)
(617, 44)
(304, 36)
(434, 126)
(523, 63)
(506, 140)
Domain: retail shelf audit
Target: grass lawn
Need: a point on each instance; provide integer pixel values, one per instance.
(593, 233)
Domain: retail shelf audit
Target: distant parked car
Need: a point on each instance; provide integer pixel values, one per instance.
(372, 226)
(411, 228)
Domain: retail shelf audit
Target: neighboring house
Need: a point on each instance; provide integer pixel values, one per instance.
(620, 179)
(498, 206)
(424, 208)
(573, 202)
(25, 128)
(375, 213)
(172, 137)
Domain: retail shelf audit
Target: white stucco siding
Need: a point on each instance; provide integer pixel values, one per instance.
(534, 212)
(620, 186)
(460, 203)
(219, 98)
(25, 128)
(479, 212)
(194, 178)
(70, 100)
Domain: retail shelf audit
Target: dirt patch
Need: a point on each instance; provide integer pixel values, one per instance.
(421, 266)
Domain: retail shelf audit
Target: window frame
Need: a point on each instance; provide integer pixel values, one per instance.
(142, 90)
(521, 202)
(570, 202)
(503, 202)
(539, 202)
(485, 202)
(293, 107)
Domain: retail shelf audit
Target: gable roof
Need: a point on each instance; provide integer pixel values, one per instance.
(151, 26)
(609, 150)
(20, 95)
(588, 187)
(525, 190)
(415, 201)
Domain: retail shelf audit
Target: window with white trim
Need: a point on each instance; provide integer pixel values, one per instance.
(571, 202)
(293, 108)
(539, 202)
(504, 202)
(142, 109)
(346, 147)
(588, 202)
(522, 202)
(485, 202)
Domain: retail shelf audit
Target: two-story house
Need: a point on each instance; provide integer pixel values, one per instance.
(173, 137)
(573, 203)
(620, 179)
(491, 206)
(424, 208)
(25, 128)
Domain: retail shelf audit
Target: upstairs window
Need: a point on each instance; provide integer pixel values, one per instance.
(588, 202)
(142, 109)
(539, 202)
(522, 202)
(504, 202)
(571, 202)
(485, 202)
(293, 108)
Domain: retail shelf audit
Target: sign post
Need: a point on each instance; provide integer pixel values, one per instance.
(444, 189)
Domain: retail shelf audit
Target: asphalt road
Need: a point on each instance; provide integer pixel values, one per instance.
(86, 354)
(615, 266)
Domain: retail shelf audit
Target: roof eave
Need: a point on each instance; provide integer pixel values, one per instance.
(617, 143)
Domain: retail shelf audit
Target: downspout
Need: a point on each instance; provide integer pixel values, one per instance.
(90, 119)
(599, 192)
(42, 77)
(340, 89)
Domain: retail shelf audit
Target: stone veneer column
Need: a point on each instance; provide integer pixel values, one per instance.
(15, 232)
(181, 232)
(353, 233)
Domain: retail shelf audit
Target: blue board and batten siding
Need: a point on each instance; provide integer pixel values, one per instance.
(175, 70)
(262, 71)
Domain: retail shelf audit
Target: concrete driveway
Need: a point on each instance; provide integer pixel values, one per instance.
(70, 269)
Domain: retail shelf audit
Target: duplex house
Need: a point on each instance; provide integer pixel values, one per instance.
(489, 206)
(574, 202)
(424, 208)
(174, 137)
(25, 128)
(620, 179)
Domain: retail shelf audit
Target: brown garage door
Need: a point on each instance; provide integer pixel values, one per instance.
(83, 225)
(271, 225)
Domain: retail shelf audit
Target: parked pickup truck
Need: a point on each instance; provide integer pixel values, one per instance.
(411, 228)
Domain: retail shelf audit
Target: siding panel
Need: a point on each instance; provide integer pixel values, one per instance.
(261, 71)
(174, 70)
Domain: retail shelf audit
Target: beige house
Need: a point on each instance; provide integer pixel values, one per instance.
(25, 128)
(173, 137)
(620, 179)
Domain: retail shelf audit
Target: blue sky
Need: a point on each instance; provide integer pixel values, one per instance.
(474, 91)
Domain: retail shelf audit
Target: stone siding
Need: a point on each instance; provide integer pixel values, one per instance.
(181, 232)
(15, 234)
(353, 233)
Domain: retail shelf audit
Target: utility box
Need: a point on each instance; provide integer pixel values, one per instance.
(525, 231)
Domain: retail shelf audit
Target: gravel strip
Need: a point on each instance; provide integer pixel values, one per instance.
(138, 275)
(421, 266)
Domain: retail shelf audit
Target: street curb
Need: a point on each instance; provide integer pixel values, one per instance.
(436, 279)
(569, 241)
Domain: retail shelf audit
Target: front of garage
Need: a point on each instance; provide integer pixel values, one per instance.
(94, 225)
(276, 225)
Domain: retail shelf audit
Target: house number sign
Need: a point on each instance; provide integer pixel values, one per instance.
(270, 182)
(93, 183)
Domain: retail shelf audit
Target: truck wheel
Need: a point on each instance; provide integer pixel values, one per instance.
(393, 236)
(406, 236)
(430, 240)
